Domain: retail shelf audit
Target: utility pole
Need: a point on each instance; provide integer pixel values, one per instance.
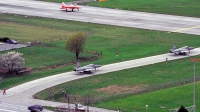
(146, 107)
(194, 79)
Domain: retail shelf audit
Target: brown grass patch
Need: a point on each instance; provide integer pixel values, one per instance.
(114, 89)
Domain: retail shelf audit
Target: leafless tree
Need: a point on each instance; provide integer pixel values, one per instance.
(11, 61)
(76, 42)
(68, 98)
(88, 100)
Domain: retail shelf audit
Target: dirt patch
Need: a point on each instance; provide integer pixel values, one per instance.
(114, 89)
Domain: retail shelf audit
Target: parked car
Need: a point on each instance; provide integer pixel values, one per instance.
(11, 41)
(35, 108)
(80, 107)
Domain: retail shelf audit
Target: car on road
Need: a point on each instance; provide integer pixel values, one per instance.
(80, 107)
(35, 108)
(11, 41)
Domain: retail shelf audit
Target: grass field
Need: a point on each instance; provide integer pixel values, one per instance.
(130, 43)
(27, 33)
(157, 101)
(177, 7)
(112, 85)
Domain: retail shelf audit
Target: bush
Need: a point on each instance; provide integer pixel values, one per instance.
(5, 39)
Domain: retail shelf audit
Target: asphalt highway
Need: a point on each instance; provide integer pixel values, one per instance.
(117, 17)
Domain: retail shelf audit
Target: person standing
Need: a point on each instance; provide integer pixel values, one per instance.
(116, 53)
(4, 91)
(166, 59)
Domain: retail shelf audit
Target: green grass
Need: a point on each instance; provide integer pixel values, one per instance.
(49, 108)
(130, 43)
(169, 98)
(20, 79)
(47, 56)
(148, 76)
(177, 7)
(27, 33)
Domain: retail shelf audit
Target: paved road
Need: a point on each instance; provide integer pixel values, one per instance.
(142, 20)
(5, 46)
(23, 93)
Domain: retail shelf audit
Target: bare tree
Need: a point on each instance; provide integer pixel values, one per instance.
(88, 100)
(68, 98)
(76, 42)
(11, 61)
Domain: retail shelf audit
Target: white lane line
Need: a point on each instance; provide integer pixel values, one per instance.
(8, 110)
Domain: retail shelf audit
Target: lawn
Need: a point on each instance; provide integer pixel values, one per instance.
(130, 43)
(172, 7)
(27, 33)
(122, 84)
(157, 101)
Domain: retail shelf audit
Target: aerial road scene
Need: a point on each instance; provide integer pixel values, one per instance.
(99, 56)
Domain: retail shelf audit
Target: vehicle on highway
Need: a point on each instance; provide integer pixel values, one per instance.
(182, 50)
(35, 108)
(86, 69)
(11, 41)
(71, 6)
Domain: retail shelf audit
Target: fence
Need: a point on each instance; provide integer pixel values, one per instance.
(148, 89)
(145, 90)
(65, 108)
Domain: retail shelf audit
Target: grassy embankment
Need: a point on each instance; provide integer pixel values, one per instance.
(157, 101)
(178, 7)
(115, 85)
(107, 39)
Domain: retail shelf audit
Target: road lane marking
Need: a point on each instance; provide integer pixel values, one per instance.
(186, 28)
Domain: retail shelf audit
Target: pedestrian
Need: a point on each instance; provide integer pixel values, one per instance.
(76, 105)
(116, 53)
(166, 59)
(4, 91)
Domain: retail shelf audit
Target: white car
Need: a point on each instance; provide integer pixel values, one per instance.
(80, 107)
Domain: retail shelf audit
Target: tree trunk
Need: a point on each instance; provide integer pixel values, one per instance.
(77, 54)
